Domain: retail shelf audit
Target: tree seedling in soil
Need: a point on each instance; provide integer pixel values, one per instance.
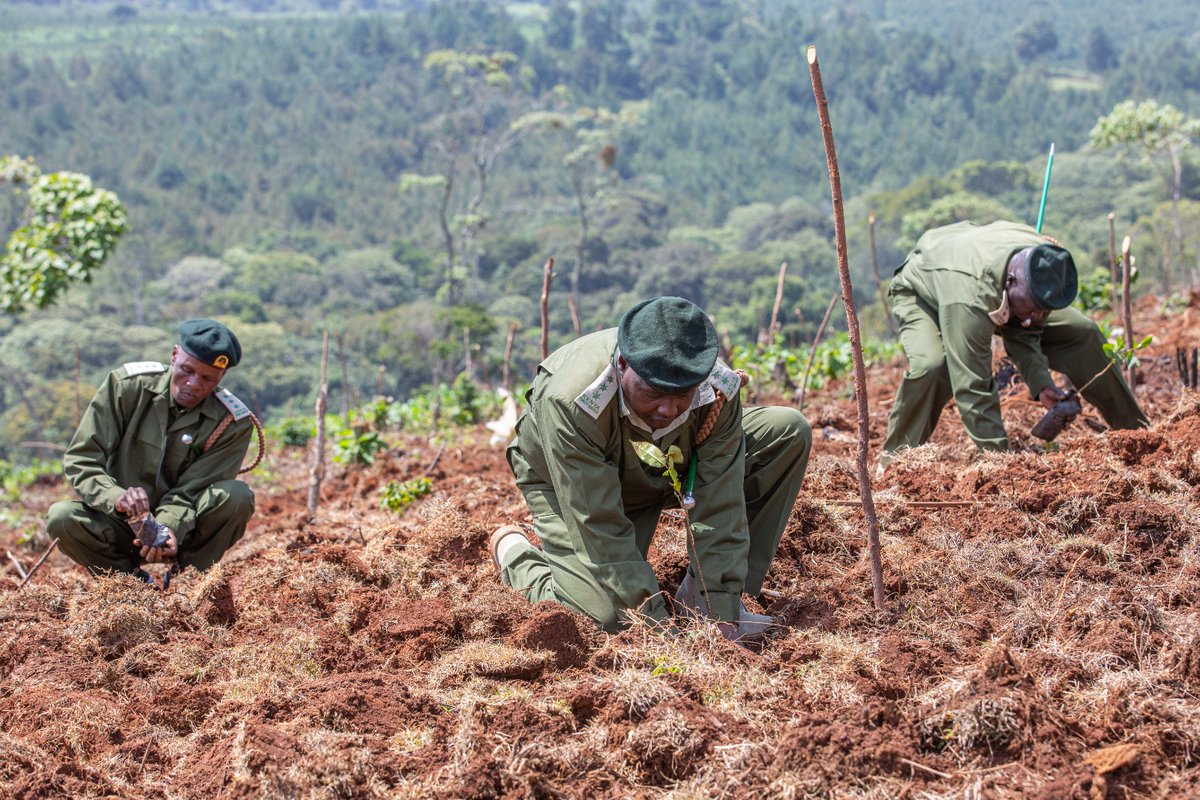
(398, 496)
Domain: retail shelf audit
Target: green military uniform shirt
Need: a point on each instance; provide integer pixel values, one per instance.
(959, 271)
(134, 434)
(573, 437)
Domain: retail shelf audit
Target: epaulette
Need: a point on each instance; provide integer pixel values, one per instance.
(236, 407)
(143, 368)
(726, 381)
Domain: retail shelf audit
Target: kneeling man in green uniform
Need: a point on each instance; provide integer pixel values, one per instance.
(962, 284)
(595, 504)
(145, 446)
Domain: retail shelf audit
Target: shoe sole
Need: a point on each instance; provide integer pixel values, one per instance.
(498, 536)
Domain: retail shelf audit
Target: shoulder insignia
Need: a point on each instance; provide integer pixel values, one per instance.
(144, 368)
(230, 401)
(594, 398)
(725, 380)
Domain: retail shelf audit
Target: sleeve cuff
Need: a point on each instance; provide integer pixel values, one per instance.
(178, 520)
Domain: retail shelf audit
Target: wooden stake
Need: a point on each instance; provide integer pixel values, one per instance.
(34, 568)
(774, 329)
(573, 307)
(317, 472)
(17, 563)
(341, 354)
(508, 348)
(1112, 262)
(1126, 300)
(887, 312)
(547, 277)
(812, 351)
(860, 370)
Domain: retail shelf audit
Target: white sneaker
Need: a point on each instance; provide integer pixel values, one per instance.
(692, 602)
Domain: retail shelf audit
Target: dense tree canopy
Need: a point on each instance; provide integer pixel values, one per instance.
(294, 170)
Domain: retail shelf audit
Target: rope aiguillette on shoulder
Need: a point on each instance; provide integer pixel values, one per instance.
(237, 410)
(706, 427)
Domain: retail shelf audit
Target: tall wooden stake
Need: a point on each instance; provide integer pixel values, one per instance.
(860, 370)
(547, 276)
(774, 329)
(1112, 262)
(508, 348)
(341, 354)
(1127, 303)
(812, 351)
(318, 464)
(883, 303)
(573, 307)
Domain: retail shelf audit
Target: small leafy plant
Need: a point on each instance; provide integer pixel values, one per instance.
(358, 448)
(398, 496)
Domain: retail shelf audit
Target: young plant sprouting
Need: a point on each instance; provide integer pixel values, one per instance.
(649, 453)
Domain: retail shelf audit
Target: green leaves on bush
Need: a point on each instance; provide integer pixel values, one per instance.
(397, 496)
(358, 448)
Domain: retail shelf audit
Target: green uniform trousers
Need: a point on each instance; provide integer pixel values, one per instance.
(1071, 342)
(102, 543)
(778, 443)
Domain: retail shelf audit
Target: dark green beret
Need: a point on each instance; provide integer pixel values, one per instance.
(669, 342)
(211, 342)
(1051, 277)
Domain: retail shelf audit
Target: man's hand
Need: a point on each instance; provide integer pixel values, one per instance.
(153, 555)
(1051, 396)
(133, 502)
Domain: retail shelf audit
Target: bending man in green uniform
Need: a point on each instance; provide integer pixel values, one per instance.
(143, 446)
(595, 505)
(962, 284)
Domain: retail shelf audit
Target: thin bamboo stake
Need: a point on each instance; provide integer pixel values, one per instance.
(860, 370)
(774, 329)
(341, 354)
(34, 568)
(573, 307)
(1112, 262)
(17, 563)
(812, 351)
(508, 348)
(317, 471)
(1127, 303)
(547, 277)
(887, 312)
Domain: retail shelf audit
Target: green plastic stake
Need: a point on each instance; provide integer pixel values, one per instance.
(689, 502)
(1045, 188)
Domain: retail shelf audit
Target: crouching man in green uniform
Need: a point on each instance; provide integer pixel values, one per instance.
(143, 446)
(595, 505)
(962, 284)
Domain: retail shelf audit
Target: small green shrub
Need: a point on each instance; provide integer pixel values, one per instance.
(397, 496)
(352, 448)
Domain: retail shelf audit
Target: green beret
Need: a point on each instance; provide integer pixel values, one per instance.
(669, 342)
(211, 342)
(1051, 277)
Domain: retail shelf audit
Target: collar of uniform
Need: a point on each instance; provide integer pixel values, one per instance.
(209, 407)
(607, 385)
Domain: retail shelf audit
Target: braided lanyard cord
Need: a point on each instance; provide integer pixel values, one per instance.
(710, 419)
(225, 423)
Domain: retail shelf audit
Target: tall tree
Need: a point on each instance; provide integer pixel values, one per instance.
(70, 229)
(1160, 133)
(485, 93)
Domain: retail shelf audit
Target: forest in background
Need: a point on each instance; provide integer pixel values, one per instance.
(397, 173)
